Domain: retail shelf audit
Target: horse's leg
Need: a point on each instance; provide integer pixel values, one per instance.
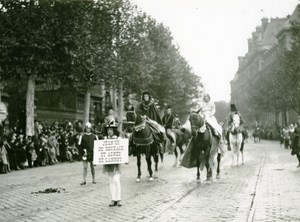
(156, 159)
(218, 167)
(176, 157)
(138, 156)
(198, 171)
(238, 153)
(231, 145)
(209, 173)
(180, 152)
(242, 152)
(148, 159)
(161, 154)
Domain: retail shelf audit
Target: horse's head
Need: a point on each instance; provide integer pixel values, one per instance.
(142, 134)
(197, 123)
(140, 123)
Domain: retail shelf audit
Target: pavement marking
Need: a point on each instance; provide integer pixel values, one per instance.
(156, 217)
(224, 164)
(252, 210)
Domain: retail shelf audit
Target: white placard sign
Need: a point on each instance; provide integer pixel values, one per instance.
(110, 151)
(3, 111)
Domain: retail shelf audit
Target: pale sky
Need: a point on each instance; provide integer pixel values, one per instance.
(211, 34)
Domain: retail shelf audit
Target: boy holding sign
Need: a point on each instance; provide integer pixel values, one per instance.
(113, 170)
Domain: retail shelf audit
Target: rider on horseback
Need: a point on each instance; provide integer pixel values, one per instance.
(235, 118)
(168, 120)
(148, 109)
(176, 122)
(207, 109)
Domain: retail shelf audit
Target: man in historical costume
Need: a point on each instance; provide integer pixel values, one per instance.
(86, 144)
(148, 108)
(235, 118)
(168, 121)
(296, 141)
(176, 122)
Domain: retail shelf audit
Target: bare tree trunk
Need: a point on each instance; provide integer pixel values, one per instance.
(120, 108)
(30, 106)
(87, 104)
(114, 99)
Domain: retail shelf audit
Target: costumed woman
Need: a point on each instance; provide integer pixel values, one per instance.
(296, 141)
(207, 110)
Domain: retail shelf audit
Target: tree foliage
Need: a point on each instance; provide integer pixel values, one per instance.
(77, 43)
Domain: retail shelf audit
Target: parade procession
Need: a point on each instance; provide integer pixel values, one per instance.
(149, 110)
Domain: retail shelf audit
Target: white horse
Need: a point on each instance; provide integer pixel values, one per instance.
(236, 139)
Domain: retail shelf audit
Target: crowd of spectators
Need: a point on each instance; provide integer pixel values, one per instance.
(50, 144)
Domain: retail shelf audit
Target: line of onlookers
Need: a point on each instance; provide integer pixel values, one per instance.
(50, 144)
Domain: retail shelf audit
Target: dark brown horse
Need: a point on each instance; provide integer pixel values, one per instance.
(202, 148)
(145, 141)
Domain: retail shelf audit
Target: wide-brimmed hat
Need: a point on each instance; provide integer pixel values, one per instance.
(233, 108)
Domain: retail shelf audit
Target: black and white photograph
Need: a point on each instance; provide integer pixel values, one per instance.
(149, 110)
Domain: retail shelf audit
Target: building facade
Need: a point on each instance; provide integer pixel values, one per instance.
(266, 41)
(62, 104)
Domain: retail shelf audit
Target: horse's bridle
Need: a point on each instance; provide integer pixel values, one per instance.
(198, 129)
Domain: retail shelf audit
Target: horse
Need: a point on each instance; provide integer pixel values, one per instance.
(236, 139)
(181, 138)
(202, 148)
(145, 140)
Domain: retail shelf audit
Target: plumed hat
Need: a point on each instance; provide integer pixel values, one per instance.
(233, 108)
(111, 124)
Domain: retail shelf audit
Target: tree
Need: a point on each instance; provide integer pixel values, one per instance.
(150, 61)
(25, 47)
(77, 44)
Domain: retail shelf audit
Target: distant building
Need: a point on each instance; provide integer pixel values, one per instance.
(272, 35)
(61, 104)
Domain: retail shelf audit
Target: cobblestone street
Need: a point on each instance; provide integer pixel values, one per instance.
(265, 188)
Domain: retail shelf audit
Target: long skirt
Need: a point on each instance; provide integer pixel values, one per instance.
(212, 121)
